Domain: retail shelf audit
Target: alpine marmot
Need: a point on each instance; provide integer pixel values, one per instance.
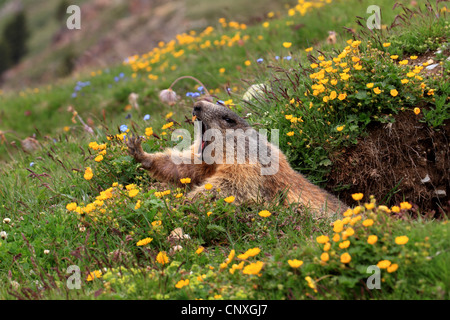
(230, 155)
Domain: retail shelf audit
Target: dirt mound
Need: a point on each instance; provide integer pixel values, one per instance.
(401, 161)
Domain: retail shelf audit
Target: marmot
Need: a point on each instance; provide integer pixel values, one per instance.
(247, 178)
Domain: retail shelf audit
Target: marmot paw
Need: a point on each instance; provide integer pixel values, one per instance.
(135, 148)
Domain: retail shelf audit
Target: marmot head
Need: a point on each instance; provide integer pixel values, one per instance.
(214, 116)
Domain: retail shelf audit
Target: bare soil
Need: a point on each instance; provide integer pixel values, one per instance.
(401, 161)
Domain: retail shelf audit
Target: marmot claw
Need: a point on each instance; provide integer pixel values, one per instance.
(134, 147)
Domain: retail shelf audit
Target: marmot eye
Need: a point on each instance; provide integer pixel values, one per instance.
(229, 120)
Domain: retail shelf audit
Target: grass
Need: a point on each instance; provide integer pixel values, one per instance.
(55, 216)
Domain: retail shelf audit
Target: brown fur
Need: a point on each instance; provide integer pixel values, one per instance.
(243, 181)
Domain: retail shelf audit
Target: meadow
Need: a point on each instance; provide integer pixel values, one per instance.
(80, 219)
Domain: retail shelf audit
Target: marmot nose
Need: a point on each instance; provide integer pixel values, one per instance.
(197, 110)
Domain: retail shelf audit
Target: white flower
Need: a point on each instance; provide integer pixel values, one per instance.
(168, 96)
(6, 220)
(255, 91)
(3, 235)
(46, 251)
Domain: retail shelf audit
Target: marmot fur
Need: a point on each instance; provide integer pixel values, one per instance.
(244, 178)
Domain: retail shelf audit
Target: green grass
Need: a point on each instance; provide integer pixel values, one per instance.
(36, 188)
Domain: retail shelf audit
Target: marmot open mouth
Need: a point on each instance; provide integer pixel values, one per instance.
(201, 129)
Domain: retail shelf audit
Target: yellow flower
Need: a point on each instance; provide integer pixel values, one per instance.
(403, 62)
(311, 283)
(185, 180)
(199, 250)
(144, 242)
(383, 264)
(133, 193)
(148, 131)
(295, 263)
(264, 213)
(345, 258)
(71, 206)
(345, 244)
(367, 223)
(386, 44)
(392, 268)
(309, 49)
(340, 128)
(88, 174)
(377, 90)
(369, 206)
(413, 57)
(252, 252)
(401, 240)
(229, 199)
(325, 257)
(395, 209)
(394, 92)
(394, 57)
(327, 246)
(314, 65)
(156, 223)
(138, 205)
(253, 268)
(405, 206)
(336, 237)
(208, 186)
(404, 81)
(180, 284)
(410, 74)
(290, 134)
(222, 70)
(95, 274)
(416, 110)
(265, 24)
(209, 213)
(342, 96)
(162, 258)
(98, 158)
(287, 44)
(369, 85)
(322, 239)
(372, 239)
(167, 126)
(357, 196)
(338, 226)
(247, 63)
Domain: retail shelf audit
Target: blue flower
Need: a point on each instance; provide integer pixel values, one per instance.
(260, 60)
(196, 94)
(277, 58)
(122, 75)
(147, 117)
(189, 94)
(200, 89)
(123, 128)
(287, 58)
(220, 102)
(116, 79)
(31, 164)
(74, 95)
